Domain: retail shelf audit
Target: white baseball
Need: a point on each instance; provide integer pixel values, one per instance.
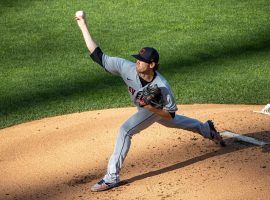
(80, 13)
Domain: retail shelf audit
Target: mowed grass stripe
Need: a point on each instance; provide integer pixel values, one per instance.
(211, 52)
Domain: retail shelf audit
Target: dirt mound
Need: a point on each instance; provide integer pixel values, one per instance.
(61, 157)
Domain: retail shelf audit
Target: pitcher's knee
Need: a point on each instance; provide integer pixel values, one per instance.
(123, 131)
(126, 131)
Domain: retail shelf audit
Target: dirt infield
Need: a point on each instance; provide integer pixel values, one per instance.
(62, 157)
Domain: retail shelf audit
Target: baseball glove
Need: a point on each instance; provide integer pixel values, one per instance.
(150, 95)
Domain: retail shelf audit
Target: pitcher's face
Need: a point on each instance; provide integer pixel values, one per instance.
(143, 67)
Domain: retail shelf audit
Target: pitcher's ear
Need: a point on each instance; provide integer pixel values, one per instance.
(155, 67)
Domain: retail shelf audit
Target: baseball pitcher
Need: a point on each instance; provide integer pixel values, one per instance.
(151, 94)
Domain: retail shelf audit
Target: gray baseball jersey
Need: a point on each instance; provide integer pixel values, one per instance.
(142, 118)
(127, 70)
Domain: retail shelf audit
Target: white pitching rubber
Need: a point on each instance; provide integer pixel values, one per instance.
(243, 138)
(265, 110)
(262, 112)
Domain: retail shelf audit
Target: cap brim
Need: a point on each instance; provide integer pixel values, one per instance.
(138, 57)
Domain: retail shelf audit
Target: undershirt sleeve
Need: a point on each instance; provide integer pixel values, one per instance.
(96, 56)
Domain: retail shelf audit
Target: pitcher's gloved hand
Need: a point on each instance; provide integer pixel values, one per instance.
(150, 95)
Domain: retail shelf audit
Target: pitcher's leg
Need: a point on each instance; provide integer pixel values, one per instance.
(139, 121)
(186, 123)
(206, 129)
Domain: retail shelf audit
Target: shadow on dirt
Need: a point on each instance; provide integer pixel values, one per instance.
(55, 190)
(232, 146)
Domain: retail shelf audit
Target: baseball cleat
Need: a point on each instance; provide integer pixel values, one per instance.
(215, 135)
(102, 185)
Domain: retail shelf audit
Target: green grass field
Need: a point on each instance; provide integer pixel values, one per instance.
(211, 52)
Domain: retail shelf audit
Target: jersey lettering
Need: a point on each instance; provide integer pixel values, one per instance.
(131, 90)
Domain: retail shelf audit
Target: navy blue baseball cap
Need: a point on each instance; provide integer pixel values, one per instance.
(148, 55)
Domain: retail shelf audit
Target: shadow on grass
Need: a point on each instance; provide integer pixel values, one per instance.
(109, 84)
(49, 192)
(5, 4)
(259, 44)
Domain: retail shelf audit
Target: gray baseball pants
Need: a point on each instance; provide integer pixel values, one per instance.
(138, 122)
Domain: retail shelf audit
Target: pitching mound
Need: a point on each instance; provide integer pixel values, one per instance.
(62, 157)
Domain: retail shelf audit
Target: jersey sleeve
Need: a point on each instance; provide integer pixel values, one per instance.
(168, 100)
(114, 65)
